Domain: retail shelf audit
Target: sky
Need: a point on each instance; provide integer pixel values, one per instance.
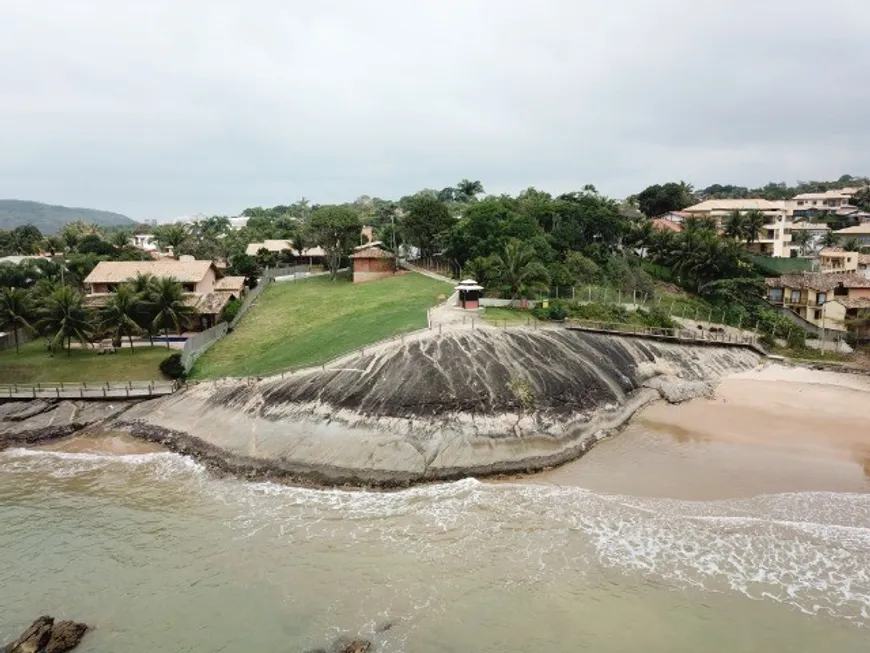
(171, 107)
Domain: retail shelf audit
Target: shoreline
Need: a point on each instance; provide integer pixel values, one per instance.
(655, 448)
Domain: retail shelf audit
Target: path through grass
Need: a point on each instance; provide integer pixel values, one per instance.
(308, 322)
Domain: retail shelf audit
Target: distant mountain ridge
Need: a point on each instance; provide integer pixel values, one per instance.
(49, 218)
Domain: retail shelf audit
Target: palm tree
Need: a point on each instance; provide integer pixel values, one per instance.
(520, 268)
(468, 190)
(15, 311)
(830, 239)
(801, 238)
(143, 284)
(120, 239)
(755, 221)
(641, 235)
(120, 314)
(53, 244)
(735, 225)
(166, 301)
(852, 245)
(65, 317)
(171, 235)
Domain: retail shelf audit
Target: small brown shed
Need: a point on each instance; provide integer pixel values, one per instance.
(371, 261)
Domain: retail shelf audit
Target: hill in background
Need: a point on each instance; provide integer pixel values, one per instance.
(49, 218)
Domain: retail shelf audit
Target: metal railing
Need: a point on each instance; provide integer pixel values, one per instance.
(83, 390)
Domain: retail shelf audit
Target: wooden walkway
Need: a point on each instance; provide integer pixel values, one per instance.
(96, 391)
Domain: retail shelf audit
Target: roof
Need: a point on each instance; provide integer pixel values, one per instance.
(863, 259)
(16, 260)
(120, 271)
(372, 251)
(827, 195)
(810, 226)
(230, 284)
(853, 302)
(665, 224)
(736, 205)
(819, 281)
(371, 243)
(860, 230)
(209, 304)
(834, 251)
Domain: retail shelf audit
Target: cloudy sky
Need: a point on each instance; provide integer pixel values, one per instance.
(170, 107)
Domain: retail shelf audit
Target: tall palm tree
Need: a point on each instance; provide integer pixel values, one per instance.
(735, 225)
(469, 190)
(166, 300)
(15, 311)
(65, 317)
(120, 314)
(519, 267)
(143, 284)
(801, 238)
(755, 221)
(830, 239)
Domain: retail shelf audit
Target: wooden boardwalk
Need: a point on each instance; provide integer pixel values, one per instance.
(94, 391)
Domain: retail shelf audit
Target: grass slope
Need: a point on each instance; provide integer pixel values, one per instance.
(308, 322)
(49, 218)
(35, 365)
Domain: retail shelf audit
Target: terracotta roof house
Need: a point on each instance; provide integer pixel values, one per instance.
(206, 288)
(666, 224)
(860, 232)
(810, 295)
(371, 261)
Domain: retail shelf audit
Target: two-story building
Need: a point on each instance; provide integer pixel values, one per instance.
(820, 204)
(773, 239)
(810, 294)
(205, 286)
(837, 259)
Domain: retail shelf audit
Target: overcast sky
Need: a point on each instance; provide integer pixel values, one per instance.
(170, 107)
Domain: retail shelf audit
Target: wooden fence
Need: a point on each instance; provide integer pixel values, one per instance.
(107, 390)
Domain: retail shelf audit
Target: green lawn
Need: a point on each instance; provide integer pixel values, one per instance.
(35, 365)
(507, 316)
(308, 322)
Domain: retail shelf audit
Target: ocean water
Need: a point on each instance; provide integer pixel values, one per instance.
(160, 555)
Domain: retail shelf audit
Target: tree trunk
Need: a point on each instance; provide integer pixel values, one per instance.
(69, 346)
(130, 338)
(166, 334)
(15, 331)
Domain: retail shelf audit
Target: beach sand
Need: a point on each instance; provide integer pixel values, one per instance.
(772, 430)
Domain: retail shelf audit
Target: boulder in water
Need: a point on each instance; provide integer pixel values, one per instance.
(345, 645)
(46, 636)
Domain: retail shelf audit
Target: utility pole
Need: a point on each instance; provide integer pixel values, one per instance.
(393, 237)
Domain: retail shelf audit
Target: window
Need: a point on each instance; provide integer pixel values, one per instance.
(189, 287)
(800, 202)
(776, 294)
(821, 298)
(795, 296)
(841, 291)
(817, 315)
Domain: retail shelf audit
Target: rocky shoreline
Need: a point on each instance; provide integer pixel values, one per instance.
(482, 403)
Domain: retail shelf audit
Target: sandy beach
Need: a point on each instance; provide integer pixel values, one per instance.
(775, 429)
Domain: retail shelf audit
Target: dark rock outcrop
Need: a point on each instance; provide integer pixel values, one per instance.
(47, 636)
(24, 423)
(464, 403)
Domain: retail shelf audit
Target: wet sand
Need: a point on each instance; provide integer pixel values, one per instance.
(772, 430)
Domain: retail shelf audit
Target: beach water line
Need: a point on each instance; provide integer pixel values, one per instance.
(810, 550)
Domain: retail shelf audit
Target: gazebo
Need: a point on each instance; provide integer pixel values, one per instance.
(469, 294)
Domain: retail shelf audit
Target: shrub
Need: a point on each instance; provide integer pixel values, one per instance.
(172, 367)
(767, 340)
(797, 339)
(557, 311)
(232, 309)
(656, 317)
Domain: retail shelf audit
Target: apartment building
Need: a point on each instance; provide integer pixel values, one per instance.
(774, 239)
(861, 233)
(818, 204)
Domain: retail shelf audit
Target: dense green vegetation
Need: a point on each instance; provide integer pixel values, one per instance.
(296, 324)
(35, 364)
(50, 219)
